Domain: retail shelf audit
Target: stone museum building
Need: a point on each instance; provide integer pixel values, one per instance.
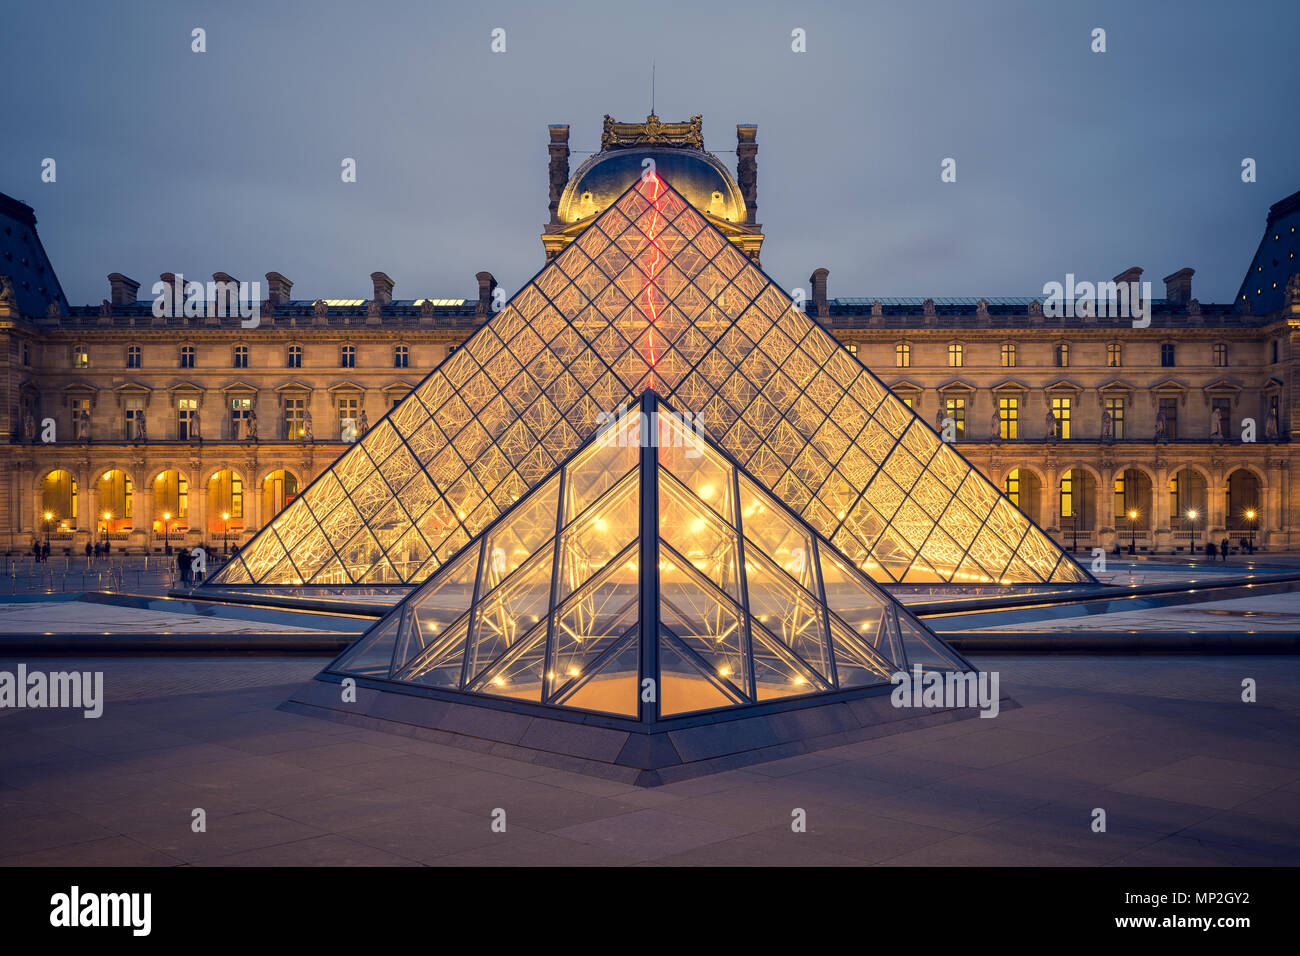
(145, 430)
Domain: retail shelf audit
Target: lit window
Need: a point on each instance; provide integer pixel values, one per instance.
(187, 356)
(80, 357)
(401, 356)
(955, 408)
(1221, 355)
(1114, 355)
(1008, 356)
(853, 349)
(294, 359)
(1116, 408)
(348, 356)
(903, 356)
(1008, 418)
(294, 420)
(186, 409)
(1012, 486)
(241, 356)
(955, 355)
(1067, 494)
(133, 356)
(349, 412)
(1061, 412)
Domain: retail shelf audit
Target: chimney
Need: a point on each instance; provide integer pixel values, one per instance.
(559, 170)
(277, 288)
(1131, 274)
(123, 289)
(1178, 287)
(383, 288)
(486, 283)
(747, 167)
(818, 282)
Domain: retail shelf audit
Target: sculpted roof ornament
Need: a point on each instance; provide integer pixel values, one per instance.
(653, 132)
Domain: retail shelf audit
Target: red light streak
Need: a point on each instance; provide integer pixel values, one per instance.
(651, 269)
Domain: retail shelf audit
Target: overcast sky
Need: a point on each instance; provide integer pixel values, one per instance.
(1067, 160)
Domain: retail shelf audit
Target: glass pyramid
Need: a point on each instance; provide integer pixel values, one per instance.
(650, 295)
(648, 554)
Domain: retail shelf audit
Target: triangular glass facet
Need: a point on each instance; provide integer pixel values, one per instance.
(650, 296)
(560, 620)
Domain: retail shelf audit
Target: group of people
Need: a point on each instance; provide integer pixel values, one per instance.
(1225, 548)
(40, 552)
(185, 565)
(101, 549)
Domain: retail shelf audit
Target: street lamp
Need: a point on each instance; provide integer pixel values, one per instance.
(167, 543)
(1191, 517)
(108, 516)
(1250, 517)
(225, 532)
(49, 516)
(1132, 531)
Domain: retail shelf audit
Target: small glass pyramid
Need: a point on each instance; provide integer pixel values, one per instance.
(648, 554)
(650, 296)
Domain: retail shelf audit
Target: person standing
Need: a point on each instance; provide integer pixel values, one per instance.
(45, 551)
(1224, 545)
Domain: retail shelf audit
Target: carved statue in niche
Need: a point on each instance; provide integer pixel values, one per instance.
(1161, 426)
(308, 432)
(1107, 427)
(1216, 425)
(995, 426)
(250, 426)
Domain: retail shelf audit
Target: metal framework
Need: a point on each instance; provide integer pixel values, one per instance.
(648, 578)
(650, 296)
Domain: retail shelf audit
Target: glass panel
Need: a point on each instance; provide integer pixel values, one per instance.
(613, 687)
(780, 536)
(439, 664)
(850, 596)
(683, 688)
(697, 535)
(519, 672)
(508, 613)
(703, 620)
(776, 671)
(856, 662)
(436, 605)
(688, 456)
(610, 456)
(790, 613)
(593, 619)
(525, 530)
(372, 655)
(922, 648)
(591, 542)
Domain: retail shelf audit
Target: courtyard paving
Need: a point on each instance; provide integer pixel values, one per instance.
(1187, 773)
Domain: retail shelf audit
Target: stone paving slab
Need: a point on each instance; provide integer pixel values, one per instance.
(75, 617)
(1187, 773)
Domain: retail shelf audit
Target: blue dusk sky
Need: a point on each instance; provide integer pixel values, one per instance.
(1067, 160)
